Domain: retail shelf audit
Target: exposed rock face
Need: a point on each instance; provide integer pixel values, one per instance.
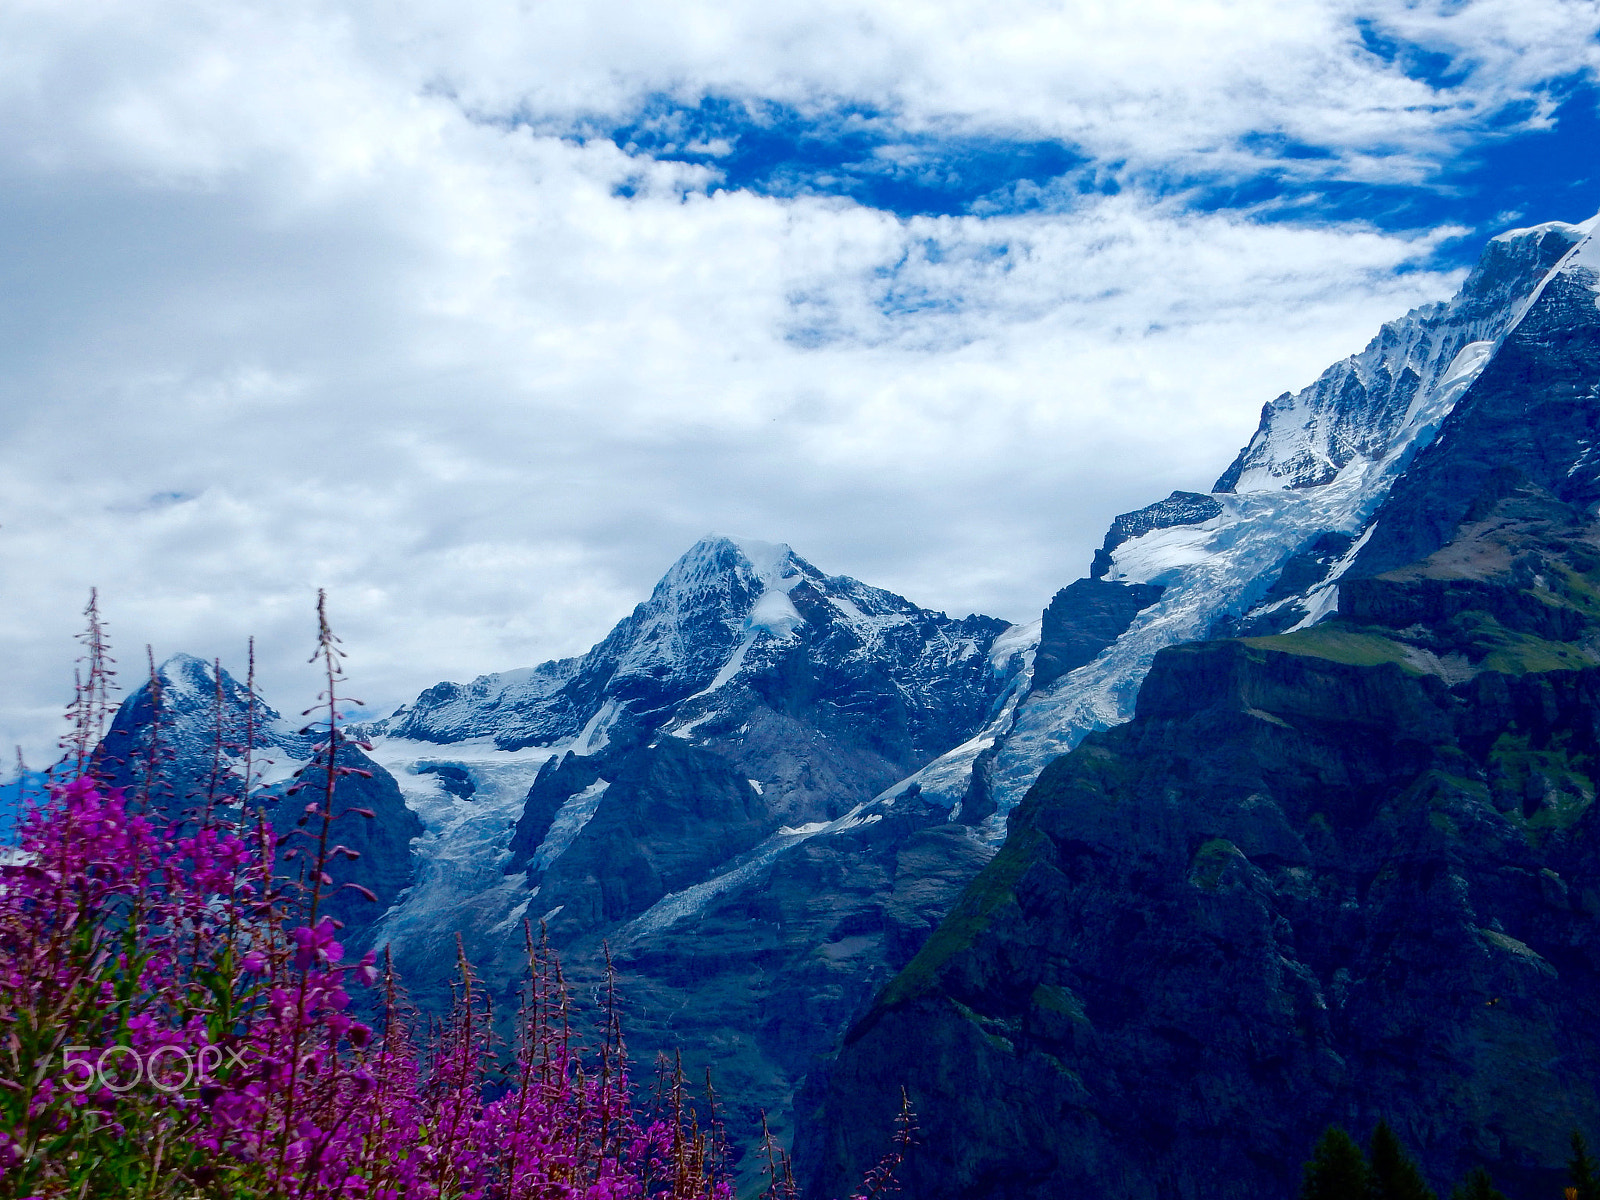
(1180, 508)
(672, 815)
(1341, 874)
(384, 866)
(1083, 619)
(1278, 609)
(759, 981)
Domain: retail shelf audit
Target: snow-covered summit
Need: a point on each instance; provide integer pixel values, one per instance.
(749, 694)
(1582, 229)
(727, 609)
(1358, 407)
(198, 730)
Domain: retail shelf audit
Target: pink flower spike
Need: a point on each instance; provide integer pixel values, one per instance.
(315, 945)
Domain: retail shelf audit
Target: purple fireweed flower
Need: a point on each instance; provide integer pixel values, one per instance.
(166, 944)
(316, 945)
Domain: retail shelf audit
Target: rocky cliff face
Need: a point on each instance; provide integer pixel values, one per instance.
(1347, 872)
(385, 864)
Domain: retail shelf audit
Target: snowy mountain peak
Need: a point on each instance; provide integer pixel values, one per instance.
(726, 608)
(1570, 232)
(715, 563)
(1356, 409)
(1581, 261)
(188, 681)
(1529, 416)
(201, 726)
(779, 570)
(731, 574)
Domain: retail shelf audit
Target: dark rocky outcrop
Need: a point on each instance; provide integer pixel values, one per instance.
(1083, 619)
(1180, 508)
(1342, 874)
(1283, 605)
(1309, 566)
(672, 814)
(560, 779)
(382, 842)
(453, 778)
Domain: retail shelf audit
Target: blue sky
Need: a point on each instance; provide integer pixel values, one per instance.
(478, 314)
(1516, 163)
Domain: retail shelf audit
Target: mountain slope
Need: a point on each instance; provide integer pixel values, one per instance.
(1259, 554)
(765, 787)
(690, 794)
(1345, 872)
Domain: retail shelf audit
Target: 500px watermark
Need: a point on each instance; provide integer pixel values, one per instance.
(122, 1068)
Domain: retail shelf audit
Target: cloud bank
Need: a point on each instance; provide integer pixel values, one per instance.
(478, 316)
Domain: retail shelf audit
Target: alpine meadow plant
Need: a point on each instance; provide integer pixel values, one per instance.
(179, 1019)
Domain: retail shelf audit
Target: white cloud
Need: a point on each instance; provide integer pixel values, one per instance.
(1174, 84)
(279, 315)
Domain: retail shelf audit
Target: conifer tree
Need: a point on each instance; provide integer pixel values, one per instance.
(1337, 1170)
(1582, 1171)
(1394, 1175)
(1477, 1186)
